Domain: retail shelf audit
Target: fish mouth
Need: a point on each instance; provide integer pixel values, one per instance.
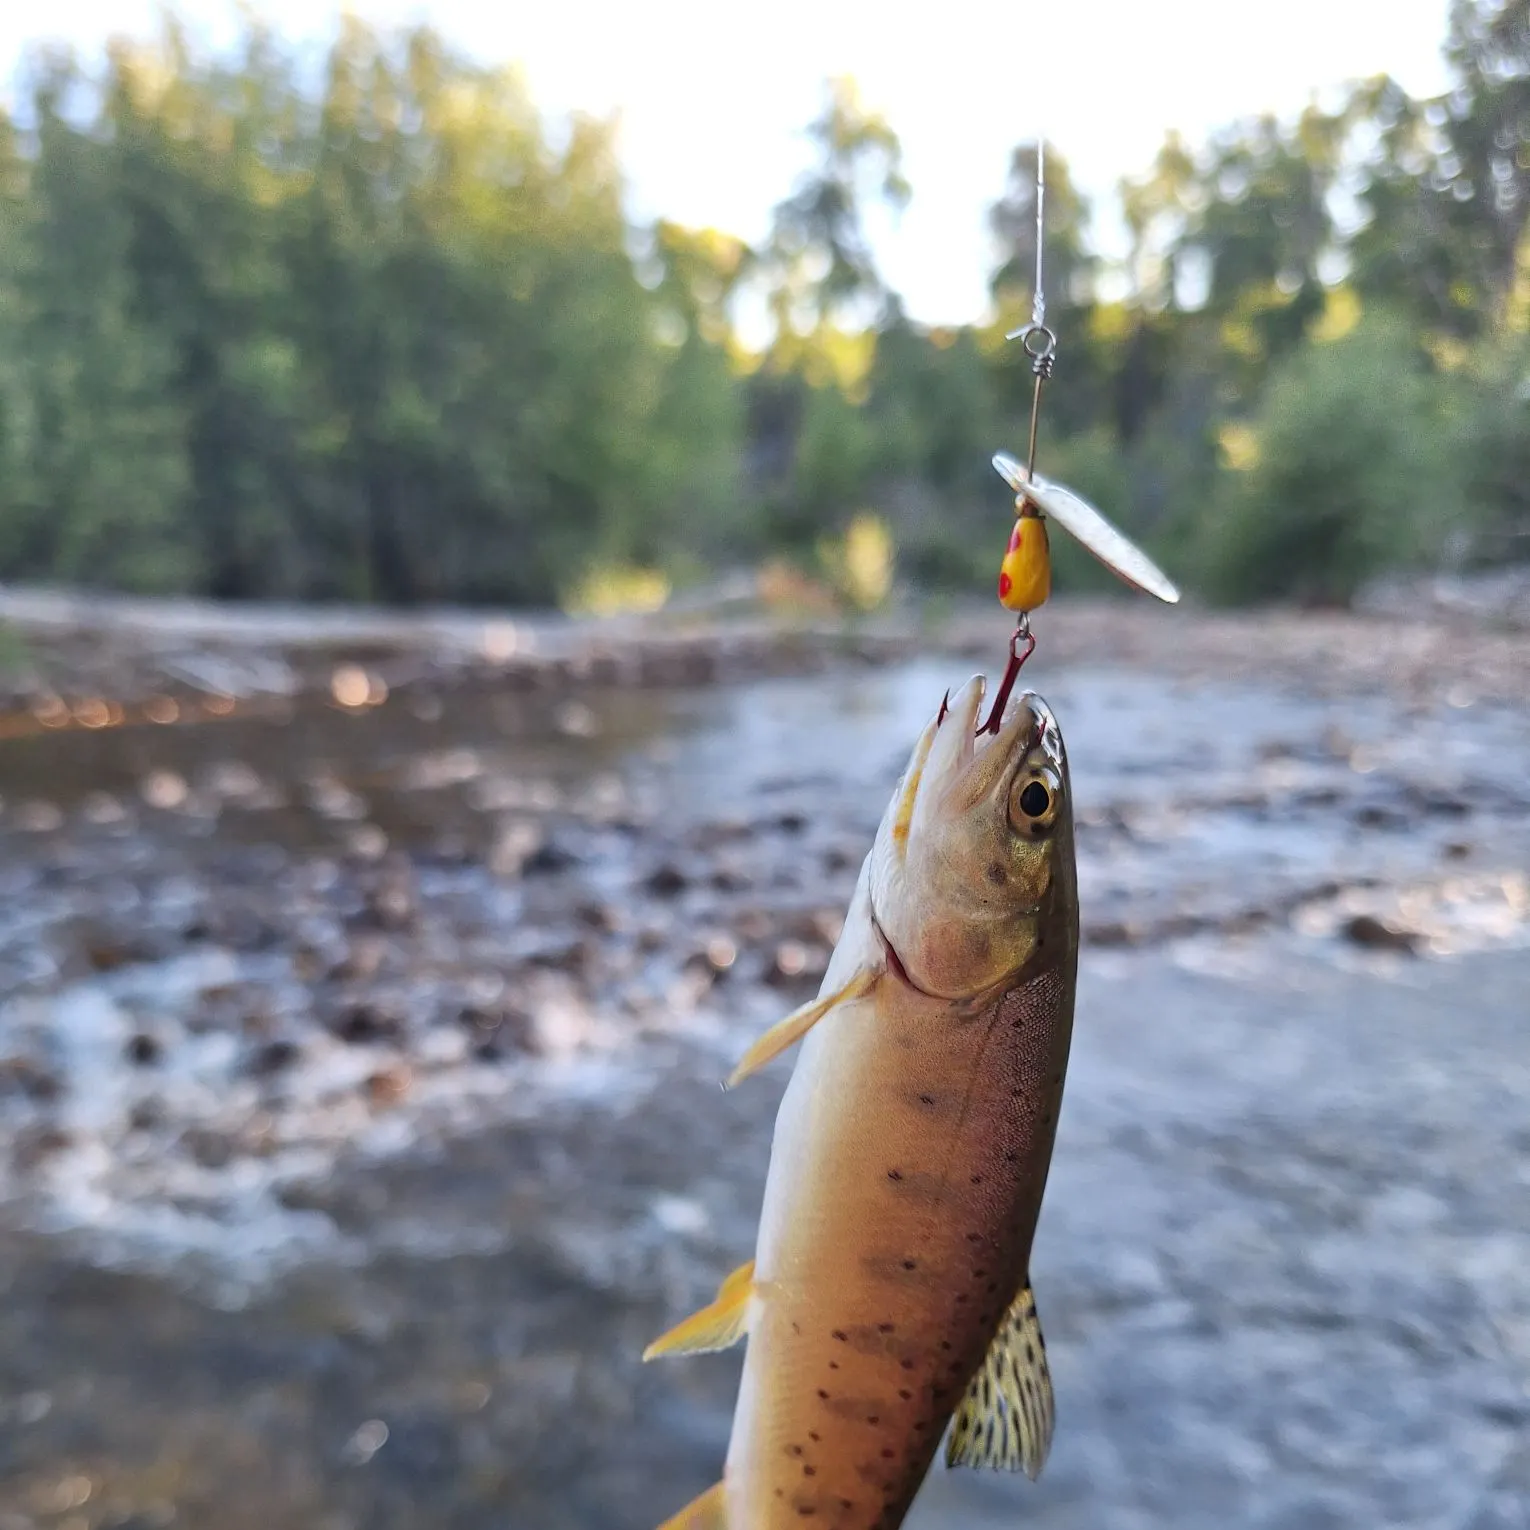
(976, 758)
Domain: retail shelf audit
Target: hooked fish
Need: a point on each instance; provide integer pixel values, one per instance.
(889, 1295)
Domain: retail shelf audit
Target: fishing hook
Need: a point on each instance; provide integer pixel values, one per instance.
(1022, 634)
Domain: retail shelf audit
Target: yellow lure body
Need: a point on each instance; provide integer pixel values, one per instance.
(1025, 575)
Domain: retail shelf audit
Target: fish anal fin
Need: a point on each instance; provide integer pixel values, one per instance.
(720, 1325)
(797, 1024)
(705, 1513)
(1005, 1420)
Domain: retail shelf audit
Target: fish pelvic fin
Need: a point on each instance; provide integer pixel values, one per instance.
(720, 1325)
(797, 1024)
(705, 1513)
(1005, 1421)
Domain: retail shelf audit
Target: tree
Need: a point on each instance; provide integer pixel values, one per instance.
(1488, 132)
(1069, 265)
(818, 261)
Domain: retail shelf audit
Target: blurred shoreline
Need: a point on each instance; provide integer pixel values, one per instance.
(67, 649)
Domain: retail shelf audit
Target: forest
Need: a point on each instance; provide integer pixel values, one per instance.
(384, 333)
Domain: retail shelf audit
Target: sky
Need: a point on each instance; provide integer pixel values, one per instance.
(961, 81)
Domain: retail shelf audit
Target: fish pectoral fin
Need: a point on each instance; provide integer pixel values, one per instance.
(797, 1024)
(1005, 1421)
(705, 1513)
(719, 1325)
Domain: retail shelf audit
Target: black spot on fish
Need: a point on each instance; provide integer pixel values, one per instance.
(809, 1471)
(910, 1264)
(873, 1418)
(834, 1365)
(813, 1435)
(822, 1394)
(904, 1393)
(795, 1450)
(884, 1327)
(927, 1099)
(997, 874)
(895, 1174)
(841, 1335)
(977, 1179)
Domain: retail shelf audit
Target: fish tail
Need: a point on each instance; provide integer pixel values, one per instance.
(708, 1512)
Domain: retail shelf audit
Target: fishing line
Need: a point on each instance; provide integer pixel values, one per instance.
(1039, 342)
(1040, 345)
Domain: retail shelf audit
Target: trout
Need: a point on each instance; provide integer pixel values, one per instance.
(889, 1297)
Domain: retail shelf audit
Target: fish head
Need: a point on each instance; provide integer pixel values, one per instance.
(974, 859)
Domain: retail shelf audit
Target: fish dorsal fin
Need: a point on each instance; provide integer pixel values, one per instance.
(717, 1326)
(797, 1024)
(1005, 1420)
(705, 1513)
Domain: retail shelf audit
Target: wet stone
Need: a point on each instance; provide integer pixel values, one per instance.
(32, 1080)
(604, 917)
(34, 1144)
(501, 1032)
(548, 859)
(388, 1086)
(1377, 934)
(146, 1115)
(144, 1050)
(667, 881)
(364, 1023)
(272, 1058)
(211, 1148)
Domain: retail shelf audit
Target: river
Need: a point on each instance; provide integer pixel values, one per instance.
(358, 1087)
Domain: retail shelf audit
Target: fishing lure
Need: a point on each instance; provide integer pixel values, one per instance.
(1025, 574)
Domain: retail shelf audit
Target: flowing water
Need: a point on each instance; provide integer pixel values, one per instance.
(358, 1088)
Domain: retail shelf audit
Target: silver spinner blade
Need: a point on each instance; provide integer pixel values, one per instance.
(1121, 556)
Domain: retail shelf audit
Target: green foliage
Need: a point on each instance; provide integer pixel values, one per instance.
(1495, 455)
(384, 343)
(386, 335)
(1355, 474)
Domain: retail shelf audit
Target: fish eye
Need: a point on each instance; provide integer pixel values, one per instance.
(1033, 802)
